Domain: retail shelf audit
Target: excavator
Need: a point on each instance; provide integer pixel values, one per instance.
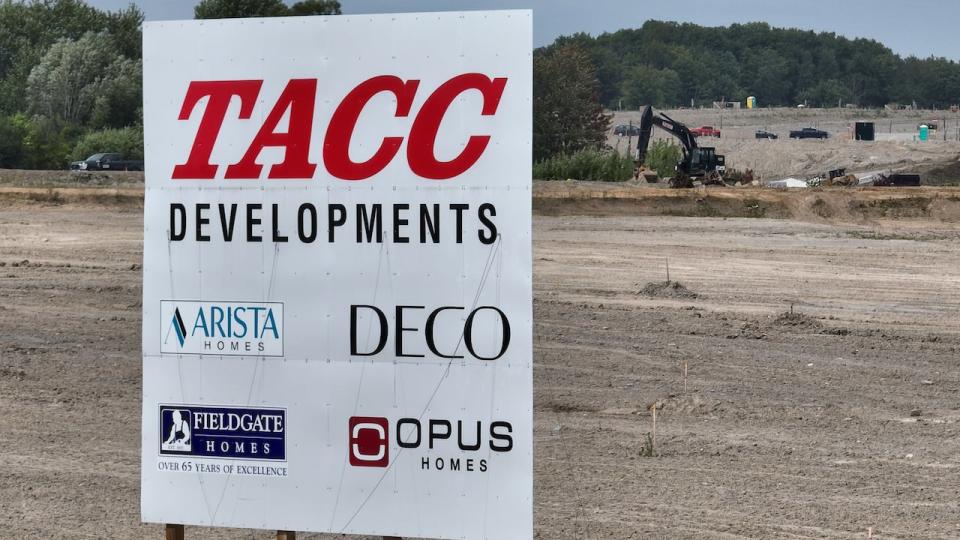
(698, 162)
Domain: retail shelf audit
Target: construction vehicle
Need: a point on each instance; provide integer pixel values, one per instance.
(698, 162)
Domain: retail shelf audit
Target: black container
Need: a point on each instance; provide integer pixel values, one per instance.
(863, 131)
(904, 179)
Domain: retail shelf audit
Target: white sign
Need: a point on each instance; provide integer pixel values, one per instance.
(337, 274)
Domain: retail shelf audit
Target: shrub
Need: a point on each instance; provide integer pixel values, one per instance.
(597, 165)
(663, 157)
(127, 141)
(45, 145)
(11, 143)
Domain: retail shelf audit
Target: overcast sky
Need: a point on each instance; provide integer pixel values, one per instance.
(917, 27)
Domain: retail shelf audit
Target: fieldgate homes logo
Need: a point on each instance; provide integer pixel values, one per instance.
(223, 432)
(222, 328)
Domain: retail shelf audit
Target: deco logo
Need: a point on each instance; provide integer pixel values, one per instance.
(369, 441)
(221, 328)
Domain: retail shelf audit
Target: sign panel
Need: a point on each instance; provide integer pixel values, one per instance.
(337, 274)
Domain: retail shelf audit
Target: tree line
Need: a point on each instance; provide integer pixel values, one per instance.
(669, 64)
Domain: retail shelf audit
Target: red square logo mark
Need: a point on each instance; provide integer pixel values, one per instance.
(369, 441)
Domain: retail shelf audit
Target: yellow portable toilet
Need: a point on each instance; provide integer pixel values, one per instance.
(751, 102)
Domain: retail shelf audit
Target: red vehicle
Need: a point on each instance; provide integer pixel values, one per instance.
(705, 131)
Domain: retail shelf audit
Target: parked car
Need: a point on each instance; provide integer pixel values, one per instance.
(705, 131)
(106, 162)
(626, 130)
(764, 134)
(809, 133)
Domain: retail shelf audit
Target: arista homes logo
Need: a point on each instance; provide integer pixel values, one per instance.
(440, 445)
(223, 432)
(210, 101)
(221, 328)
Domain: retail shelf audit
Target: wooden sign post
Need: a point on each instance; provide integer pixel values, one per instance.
(174, 532)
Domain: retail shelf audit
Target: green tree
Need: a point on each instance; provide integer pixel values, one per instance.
(124, 26)
(567, 115)
(127, 141)
(769, 72)
(11, 143)
(85, 82)
(663, 157)
(645, 85)
(28, 29)
(826, 93)
(316, 7)
(234, 9)
(45, 145)
(231, 9)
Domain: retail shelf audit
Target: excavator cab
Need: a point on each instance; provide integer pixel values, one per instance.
(704, 160)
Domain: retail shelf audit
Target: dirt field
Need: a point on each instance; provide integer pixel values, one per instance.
(820, 424)
(894, 148)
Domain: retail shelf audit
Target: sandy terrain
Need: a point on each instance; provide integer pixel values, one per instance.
(806, 158)
(840, 417)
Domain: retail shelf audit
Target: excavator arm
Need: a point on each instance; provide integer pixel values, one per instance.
(647, 121)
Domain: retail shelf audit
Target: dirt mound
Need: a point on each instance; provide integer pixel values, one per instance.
(667, 289)
(830, 204)
(749, 330)
(688, 404)
(947, 174)
(797, 321)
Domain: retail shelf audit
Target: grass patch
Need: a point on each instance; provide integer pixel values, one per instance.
(595, 165)
(49, 196)
(647, 449)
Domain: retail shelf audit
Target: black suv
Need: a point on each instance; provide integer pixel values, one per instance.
(764, 134)
(626, 130)
(809, 133)
(106, 162)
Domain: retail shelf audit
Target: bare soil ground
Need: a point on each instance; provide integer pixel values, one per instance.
(894, 148)
(820, 424)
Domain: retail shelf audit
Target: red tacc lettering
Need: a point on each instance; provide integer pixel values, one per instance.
(198, 164)
(423, 134)
(336, 145)
(299, 97)
(298, 101)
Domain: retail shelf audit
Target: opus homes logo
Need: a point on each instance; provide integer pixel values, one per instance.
(221, 328)
(440, 444)
(223, 432)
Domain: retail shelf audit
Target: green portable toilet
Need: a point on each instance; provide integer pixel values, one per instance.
(924, 132)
